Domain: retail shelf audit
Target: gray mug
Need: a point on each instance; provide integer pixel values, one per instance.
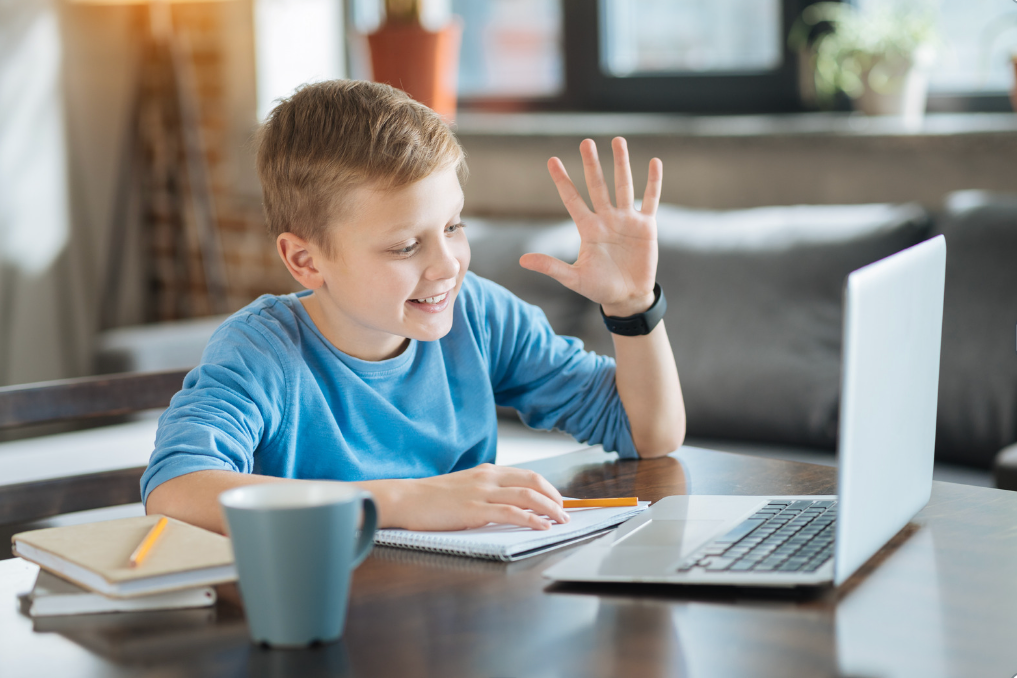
(296, 546)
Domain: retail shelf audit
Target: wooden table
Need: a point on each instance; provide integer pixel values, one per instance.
(940, 600)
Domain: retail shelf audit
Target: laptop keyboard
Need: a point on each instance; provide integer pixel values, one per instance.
(783, 536)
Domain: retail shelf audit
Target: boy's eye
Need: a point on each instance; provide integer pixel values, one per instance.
(406, 250)
(452, 228)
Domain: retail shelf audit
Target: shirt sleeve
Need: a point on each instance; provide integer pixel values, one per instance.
(551, 380)
(232, 401)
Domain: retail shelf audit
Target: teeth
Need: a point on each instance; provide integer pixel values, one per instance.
(432, 300)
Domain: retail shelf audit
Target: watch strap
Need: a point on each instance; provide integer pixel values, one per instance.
(640, 323)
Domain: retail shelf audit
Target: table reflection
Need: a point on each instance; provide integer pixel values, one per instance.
(891, 624)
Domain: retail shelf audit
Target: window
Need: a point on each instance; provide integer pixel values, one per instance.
(979, 37)
(511, 48)
(692, 56)
(690, 36)
(722, 56)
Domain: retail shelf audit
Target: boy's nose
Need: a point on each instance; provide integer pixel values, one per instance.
(444, 266)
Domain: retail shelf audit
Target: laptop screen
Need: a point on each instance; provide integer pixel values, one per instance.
(893, 321)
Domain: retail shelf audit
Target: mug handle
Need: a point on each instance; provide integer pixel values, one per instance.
(370, 523)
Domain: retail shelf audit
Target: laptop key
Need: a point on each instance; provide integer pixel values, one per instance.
(720, 564)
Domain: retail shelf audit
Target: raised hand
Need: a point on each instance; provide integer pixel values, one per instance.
(617, 262)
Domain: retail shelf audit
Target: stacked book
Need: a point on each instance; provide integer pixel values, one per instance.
(87, 568)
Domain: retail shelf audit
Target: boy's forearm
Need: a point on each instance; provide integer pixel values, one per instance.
(647, 382)
(194, 497)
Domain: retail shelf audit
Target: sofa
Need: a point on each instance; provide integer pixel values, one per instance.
(754, 312)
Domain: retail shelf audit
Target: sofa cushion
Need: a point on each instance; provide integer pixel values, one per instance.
(978, 371)
(754, 306)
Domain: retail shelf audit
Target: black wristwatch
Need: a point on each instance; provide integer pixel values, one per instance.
(640, 323)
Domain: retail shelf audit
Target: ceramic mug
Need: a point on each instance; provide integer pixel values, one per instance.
(296, 546)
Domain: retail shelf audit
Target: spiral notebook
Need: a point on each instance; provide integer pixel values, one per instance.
(510, 542)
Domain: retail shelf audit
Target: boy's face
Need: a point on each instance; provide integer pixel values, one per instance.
(401, 256)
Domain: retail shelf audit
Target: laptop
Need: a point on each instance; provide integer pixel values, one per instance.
(893, 318)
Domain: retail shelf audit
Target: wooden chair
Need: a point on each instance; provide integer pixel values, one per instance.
(98, 399)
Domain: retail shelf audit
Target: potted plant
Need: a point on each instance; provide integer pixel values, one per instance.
(424, 63)
(879, 57)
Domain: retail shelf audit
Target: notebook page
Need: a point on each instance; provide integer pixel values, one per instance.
(503, 542)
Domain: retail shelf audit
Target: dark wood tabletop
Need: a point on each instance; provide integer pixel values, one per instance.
(939, 600)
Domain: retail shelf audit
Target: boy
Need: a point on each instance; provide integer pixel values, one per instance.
(387, 371)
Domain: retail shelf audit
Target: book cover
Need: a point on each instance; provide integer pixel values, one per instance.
(95, 556)
(53, 596)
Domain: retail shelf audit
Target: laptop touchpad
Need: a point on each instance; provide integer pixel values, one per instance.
(682, 534)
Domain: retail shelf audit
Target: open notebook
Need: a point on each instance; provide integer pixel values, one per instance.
(509, 542)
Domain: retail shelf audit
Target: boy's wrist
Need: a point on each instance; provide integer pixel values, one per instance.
(628, 307)
(389, 498)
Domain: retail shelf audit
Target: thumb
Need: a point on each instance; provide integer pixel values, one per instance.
(549, 266)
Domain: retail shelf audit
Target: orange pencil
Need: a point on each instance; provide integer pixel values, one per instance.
(147, 543)
(601, 503)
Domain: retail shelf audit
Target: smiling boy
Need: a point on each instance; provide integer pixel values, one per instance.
(387, 371)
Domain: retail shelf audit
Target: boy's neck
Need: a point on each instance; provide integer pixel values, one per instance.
(378, 346)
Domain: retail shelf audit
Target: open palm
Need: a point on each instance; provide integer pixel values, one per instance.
(617, 262)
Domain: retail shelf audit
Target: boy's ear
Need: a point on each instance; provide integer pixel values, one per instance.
(299, 257)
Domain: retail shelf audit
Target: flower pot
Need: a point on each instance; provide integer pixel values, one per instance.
(897, 85)
(422, 63)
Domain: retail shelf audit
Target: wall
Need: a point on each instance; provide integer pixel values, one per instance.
(725, 163)
(51, 313)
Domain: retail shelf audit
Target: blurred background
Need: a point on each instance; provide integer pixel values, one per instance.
(130, 213)
(101, 226)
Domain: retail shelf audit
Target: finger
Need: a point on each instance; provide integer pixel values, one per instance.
(529, 499)
(595, 183)
(651, 198)
(549, 266)
(512, 515)
(520, 477)
(570, 196)
(624, 194)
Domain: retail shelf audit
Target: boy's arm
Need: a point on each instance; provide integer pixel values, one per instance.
(617, 268)
(454, 501)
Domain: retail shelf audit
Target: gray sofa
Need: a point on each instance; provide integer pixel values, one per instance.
(754, 312)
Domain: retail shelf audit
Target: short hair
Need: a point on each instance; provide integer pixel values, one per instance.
(331, 137)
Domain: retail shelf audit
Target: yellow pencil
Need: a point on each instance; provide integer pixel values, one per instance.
(147, 543)
(601, 503)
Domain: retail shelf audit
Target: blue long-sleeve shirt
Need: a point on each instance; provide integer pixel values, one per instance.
(273, 396)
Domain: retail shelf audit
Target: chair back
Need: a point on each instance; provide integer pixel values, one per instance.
(88, 399)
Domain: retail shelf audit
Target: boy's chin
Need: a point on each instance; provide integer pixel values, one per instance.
(430, 333)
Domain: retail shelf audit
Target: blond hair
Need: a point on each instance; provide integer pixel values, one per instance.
(331, 137)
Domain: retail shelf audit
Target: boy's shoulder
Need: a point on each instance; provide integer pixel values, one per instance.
(486, 295)
(269, 319)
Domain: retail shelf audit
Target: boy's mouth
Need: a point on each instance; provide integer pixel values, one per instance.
(435, 304)
(431, 300)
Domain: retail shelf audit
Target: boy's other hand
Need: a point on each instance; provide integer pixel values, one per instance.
(617, 262)
(478, 496)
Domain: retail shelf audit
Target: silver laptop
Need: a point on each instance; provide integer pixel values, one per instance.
(893, 317)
